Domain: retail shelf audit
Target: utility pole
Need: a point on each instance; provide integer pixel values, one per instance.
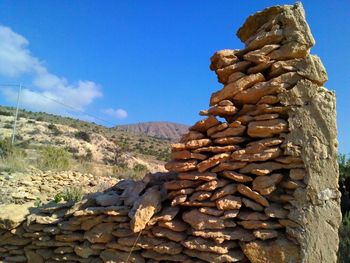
(16, 115)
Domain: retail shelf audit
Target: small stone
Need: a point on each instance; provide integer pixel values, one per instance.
(237, 177)
(245, 215)
(232, 256)
(216, 149)
(228, 166)
(225, 73)
(179, 199)
(179, 167)
(256, 224)
(276, 211)
(194, 176)
(169, 234)
(201, 221)
(185, 155)
(231, 89)
(204, 245)
(211, 211)
(265, 234)
(262, 182)
(204, 125)
(200, 196)
(250, 204)
(229, 202)
(229, 140)
(179, 184)
(226, 190)
(175, 225)
(262, 129)
(101, 233)
(212, 161)
(280, 249)
(297, 174)
(144, 209)
(229, 132)
(191, 135)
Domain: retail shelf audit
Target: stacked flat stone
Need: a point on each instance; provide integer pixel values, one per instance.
(254, 181)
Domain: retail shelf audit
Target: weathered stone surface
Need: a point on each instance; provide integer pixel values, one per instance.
(111, 255)
(241, 178)
(175, 225)
(101, 233)
(179, 184)
(228, 166)
(220, 236)
(229, 132)
(212, 161)
(185, 155)
(309, 67)
(225, 73)
(262, 129)
(245, 215)
(232, 256)
(229, 140)
(200, 196)
(201, 221)
(204, 245)
(216, 149)
(229, 202)
(226, 190)
(169, 234)
(194, 176)
(250, 204)
(281, 250)
(267, 167)
(211, 211)
(222, 111)
(144, 209)
(262, 182)
(246, 191)
(179, 167)
(163, 257)
(265, 234)
(297, 174)
(256, 224)
(230, 90)
(223, 58)
(13, 215)
(204, 125)
(109, 199)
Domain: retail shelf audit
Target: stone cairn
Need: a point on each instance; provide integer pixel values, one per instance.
(254, 181)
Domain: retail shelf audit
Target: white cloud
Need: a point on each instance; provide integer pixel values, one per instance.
(16, 60)
(116, 113)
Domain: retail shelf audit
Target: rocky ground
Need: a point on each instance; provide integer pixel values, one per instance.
(42, 187)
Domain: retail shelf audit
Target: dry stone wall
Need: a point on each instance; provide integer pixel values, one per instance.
(254, 181)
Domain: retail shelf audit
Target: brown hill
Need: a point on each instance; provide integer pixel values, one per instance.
(168, 130)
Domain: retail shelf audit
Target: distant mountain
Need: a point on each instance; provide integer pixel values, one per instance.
(167, 130)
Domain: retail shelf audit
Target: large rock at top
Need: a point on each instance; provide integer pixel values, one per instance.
(280, 250)
(12, 215)
(144, 209)
(284, 25)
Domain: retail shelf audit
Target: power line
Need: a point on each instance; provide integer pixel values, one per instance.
(61, 103)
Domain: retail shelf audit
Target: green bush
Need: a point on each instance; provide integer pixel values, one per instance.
(52, 158)
(70, 194)
(83, 136)
(344, 240)
(6, 147)
(140, 168)
(54, 129)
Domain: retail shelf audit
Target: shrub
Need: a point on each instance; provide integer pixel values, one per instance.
(5, 113)
(83, 136)
(6, 147)
(54, 129)
(140, 168)
(70, 194)
(52, 158)
(8, 126)
(344, 240)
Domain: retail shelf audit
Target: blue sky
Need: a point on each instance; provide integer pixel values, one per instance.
(135, 61)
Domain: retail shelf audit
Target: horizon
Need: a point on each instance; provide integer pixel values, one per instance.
(128, 63)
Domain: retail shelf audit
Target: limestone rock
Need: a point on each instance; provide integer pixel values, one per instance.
(212, 161)
(200, 221)
(230, 90)
(281, 250)
(232, 256)
(143, 210)
(267, 128)
(13, 215)
(204, 125)
(229, 202)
